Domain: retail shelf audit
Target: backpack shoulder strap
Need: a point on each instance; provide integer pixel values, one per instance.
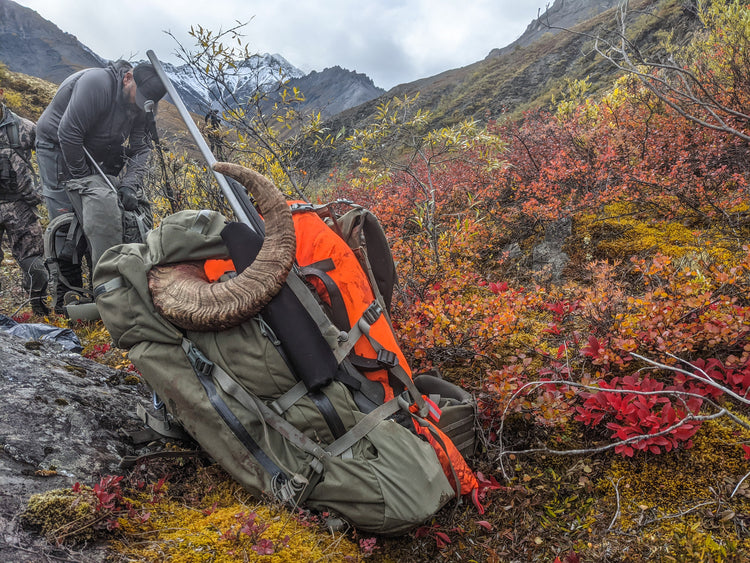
(14, 141)
(11, 131)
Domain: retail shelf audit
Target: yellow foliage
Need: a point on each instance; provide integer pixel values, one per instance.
(213, 531)
(59, 514)
(624, 233)
(675, 497)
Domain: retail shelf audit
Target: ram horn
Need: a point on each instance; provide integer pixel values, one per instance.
(181, 292)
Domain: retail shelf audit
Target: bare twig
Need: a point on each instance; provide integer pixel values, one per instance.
(736, 488)
(617, 498)
(681, 513)
(673, 83)
(632, 439)
(690, 417)
(704, 377)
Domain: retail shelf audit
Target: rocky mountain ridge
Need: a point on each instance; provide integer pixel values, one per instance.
(35, 46)
(562, 14)
(256, 73)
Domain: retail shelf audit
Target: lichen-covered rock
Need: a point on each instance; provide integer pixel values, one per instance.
(60, 423)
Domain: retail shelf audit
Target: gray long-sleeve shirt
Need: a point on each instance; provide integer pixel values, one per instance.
(89, 110)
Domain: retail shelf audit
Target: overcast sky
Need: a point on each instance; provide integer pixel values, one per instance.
(391, 41)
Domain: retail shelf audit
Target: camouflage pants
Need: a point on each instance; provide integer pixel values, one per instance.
(24, 233)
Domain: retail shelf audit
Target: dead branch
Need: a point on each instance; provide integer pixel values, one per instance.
(671, 81)
(700, 376)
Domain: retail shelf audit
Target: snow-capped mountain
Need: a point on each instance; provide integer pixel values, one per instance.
(35, 46)
(258, 73)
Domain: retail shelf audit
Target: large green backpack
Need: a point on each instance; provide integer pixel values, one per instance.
(235, 394)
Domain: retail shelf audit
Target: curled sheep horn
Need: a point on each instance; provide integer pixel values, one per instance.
(182, 293)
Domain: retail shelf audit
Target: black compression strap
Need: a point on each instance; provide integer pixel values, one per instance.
(338, 308)
(332, 418)
(321, 401)
(202, 367)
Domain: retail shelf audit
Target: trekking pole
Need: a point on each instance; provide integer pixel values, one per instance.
(233, 191)
(99, 169)
(136, 213)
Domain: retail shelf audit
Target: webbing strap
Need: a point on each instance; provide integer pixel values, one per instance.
(73, 235)
(373, 391)
(388, 359)
(282, 404)
(336, 448)
(347, 345)
(203, 368)
(201, 221)
(326, 408)
(294, 394)
(460, 423)
(363, 427)
(142, 229)
(160, 425)
(320, 270)
(368, 318)
(251, 402)
(111, 285)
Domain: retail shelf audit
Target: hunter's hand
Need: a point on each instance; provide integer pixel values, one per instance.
(128, 198)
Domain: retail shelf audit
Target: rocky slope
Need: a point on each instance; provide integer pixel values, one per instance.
(537, 67)
(37, 47)
(31, 45)
(335, 89)
(563, 14)
(61, 422)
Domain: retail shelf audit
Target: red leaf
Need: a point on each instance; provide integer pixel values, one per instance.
(442, 539)
(593, 349)
(421, 532)
(487, 484)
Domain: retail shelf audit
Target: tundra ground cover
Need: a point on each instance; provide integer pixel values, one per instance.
(613, 394)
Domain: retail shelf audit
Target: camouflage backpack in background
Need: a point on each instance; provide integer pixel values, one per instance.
(64, 240)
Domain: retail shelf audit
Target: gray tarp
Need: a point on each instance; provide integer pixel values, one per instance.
(63, 336)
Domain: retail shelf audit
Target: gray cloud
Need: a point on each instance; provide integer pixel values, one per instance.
(392, 41)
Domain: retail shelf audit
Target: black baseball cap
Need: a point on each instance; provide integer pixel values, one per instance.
(149, 85)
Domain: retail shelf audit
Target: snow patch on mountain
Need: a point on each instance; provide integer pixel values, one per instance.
(256, 73)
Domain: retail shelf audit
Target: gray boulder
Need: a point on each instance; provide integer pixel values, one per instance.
(62, 421)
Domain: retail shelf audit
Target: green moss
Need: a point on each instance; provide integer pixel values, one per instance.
(59, 515)
(76, 370)
(686, 504)
(623, 230)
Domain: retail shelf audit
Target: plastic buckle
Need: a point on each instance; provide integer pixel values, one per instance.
(201, 364)
(301, 207)
(387, 359)
(372, 313)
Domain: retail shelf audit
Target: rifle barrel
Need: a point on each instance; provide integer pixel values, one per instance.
(241, 206)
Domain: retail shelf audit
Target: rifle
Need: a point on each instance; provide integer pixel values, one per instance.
(233, 191)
